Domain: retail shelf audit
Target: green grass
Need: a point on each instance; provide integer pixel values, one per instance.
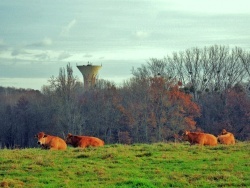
(139, 165)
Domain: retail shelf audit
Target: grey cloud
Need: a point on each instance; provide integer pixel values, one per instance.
(17, 52)
(43, 43)
(87, 55)
(28, 68)
(64, 55)
(43, 56)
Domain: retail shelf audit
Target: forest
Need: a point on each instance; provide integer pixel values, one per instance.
(202, 89)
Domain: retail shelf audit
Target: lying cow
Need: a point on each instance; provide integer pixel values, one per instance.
(50, 142)
(226, 138)
(83, 141)
(200, 138)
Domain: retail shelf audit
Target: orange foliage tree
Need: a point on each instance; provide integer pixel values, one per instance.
(170, 109)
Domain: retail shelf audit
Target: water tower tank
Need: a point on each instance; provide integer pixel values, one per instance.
(89, 73)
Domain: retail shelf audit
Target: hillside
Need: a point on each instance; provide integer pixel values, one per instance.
(140, 165)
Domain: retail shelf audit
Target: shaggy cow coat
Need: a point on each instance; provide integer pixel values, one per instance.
(83, 141)
(227, 138)
(200, 138)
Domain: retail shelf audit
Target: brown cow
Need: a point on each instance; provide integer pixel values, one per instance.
(224, 131)
(83, 141)
(200, 138)
(226, 137)
(50, 142)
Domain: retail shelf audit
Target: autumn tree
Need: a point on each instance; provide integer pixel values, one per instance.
(207, 74)
(135, 108)
(237, 112)
(205, 88)
(171, 109)
(168, 109)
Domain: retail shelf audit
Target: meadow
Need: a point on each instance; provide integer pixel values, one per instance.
(138, 165)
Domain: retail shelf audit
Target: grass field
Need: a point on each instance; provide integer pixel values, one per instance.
(139, 165)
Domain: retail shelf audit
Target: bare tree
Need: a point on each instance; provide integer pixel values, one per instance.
(62, 92)
(211, 69)
(245, 59)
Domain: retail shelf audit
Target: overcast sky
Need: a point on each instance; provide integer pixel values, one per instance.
(39, 37)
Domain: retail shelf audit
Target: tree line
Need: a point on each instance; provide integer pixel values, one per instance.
(198, 89)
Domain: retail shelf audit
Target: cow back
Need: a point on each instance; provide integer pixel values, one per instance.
(86, 141)
(55, 143)
(226, 139)
(201, 138)
(210, 140)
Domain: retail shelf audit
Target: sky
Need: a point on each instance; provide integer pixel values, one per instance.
(37, 38)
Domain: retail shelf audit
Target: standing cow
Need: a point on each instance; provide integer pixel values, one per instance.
(83, 141)
(200, 138)
(226, 138)
(50, 142)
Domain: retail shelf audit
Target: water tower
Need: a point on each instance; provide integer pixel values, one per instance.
(89, 73)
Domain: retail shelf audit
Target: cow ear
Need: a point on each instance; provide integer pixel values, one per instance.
(45, 136)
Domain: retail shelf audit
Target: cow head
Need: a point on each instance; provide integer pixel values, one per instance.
(224, 131)
(68, 139)
(41, 138)
(185, 135)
